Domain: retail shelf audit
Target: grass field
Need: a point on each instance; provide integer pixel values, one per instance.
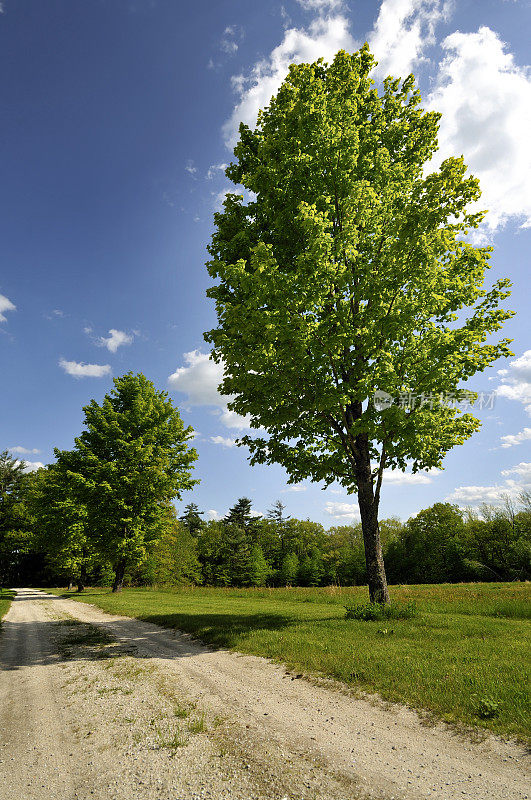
(465, 657)
(6, 596)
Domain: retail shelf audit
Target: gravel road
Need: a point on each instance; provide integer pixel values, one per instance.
(99, 706)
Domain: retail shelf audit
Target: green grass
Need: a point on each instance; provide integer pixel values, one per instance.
(464, 657)
(6, 595)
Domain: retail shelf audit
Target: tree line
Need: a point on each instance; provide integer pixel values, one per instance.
(440, 544)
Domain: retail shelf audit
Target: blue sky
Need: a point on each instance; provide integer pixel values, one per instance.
(117, 117)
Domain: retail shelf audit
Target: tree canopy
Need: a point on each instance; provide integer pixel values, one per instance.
(129, 462)
(348, 272)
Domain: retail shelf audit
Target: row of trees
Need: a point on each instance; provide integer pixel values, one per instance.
(439, 544)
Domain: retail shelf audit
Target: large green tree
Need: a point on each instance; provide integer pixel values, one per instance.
(347, 272)
(132, 459)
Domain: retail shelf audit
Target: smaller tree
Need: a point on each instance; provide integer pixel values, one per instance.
(289, 569)
(240, 514)
(129, 463)
(172, 558)
(191, 518)
(258, 569)
(276, 515)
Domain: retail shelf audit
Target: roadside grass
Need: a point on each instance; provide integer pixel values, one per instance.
(464, 656)
(6, 595)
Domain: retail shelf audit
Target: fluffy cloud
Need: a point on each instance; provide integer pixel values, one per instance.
(342, 510)
(224, 441)
(298, 487)
(213, 514)
(327, 33)
(517, 438)
(24, 450)
(199, 380)
(80, 370)
(190, 168)
(31, 466)
(523, 469)
(398, 477)
(485, 99)
(403, 30)
(516, 381)
(493, 495)
(115, 340)
(5, 305)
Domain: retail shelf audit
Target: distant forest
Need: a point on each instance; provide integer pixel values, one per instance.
(440, 544)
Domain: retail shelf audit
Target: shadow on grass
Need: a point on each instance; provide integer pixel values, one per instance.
(220, 630)
(40, 642)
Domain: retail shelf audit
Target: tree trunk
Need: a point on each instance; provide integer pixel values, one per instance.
(368, 505)
(119, 572)
(80, 586)
(70, 585)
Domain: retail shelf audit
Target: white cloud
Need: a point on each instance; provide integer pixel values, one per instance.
(224, 441)
(190, 168)
(233, 420)
(31, 466)
(402, 32)
(516, 381)
(342, 510)
(327, 33)
(214, 169)
(493, 495)
(523, 469)
(5, 305)
(398, 477)
(56, 313)
(517, 438)
(24, 450)
(213, 514)
(228, 43)
(321, 6)
(298, 487)
(199, 380)
(115, 340)
(485, 99)
(80, 370)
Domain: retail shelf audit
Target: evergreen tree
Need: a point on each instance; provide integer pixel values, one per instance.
(240, 514)
(233, 569)
(191, 518)
(276, 515)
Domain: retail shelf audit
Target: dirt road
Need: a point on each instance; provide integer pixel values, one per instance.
(106, 707)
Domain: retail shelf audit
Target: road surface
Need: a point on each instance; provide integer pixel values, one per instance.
(95, 706)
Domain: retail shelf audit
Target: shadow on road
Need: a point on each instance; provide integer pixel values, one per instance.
(29, 640)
